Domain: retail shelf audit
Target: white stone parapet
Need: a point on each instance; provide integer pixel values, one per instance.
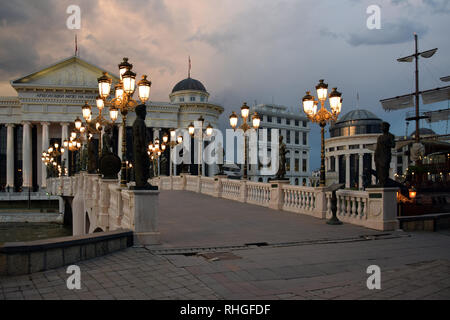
(374, 208)
(102, 205)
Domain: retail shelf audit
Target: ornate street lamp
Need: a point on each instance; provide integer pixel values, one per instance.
(123, 102)
(256, 120)
(154, 151)
(322, 116)
(201, 135)
(172, 141)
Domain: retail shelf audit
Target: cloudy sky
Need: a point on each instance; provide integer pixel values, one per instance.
(242, 50)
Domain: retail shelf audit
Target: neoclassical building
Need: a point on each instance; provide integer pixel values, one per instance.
(351, 146)
(49, 100)
(294, 128)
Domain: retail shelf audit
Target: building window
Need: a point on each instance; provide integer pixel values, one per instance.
(202, 99)
(304, 165)
(288, 164)
(332, 164)
(278, 120)
(340, 148)
(269, 118)
(297, 165)
(305, 124)
(296, 123)
(181, 99)
(288, 136)
(192, 98)
(305, 142)
(353, 146)
(297, 137)
(400, 159)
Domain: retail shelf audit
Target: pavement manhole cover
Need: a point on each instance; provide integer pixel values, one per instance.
(216, 256)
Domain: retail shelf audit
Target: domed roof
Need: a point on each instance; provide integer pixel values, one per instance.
(423, 131)
(189, 84)
(359, 114)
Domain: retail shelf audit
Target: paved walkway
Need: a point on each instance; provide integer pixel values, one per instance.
(296, 263)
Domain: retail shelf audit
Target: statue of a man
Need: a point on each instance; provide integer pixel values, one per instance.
(282, 159)
(141, 160)
(107, 140)
(92, 157)
(385, 143)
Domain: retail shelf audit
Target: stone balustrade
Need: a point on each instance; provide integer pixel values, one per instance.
(102, 205)
(373, 208)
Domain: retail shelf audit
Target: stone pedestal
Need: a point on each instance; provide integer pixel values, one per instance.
(382, 209)
(276, 193)
(145, 204)
(105, 196)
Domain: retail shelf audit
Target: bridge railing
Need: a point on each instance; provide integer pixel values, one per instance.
(102, 205)
(374, 208)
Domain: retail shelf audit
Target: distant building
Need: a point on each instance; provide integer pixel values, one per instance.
(351, 146)
(294, 127)
(49, 100)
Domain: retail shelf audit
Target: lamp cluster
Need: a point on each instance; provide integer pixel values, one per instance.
(322, 115)
(245, 112)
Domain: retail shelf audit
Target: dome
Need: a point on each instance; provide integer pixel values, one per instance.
(356, 122)
(424, 131)
(189, 84)
(359, 114)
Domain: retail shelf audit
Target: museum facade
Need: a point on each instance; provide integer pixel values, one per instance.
(49, 100)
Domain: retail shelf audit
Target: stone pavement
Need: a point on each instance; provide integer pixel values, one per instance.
(303, 258)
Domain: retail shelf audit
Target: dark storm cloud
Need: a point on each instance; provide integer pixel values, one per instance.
(390, 33)
(438, 6)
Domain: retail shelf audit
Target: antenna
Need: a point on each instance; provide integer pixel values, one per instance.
(76, 45)
(189, 69)
(357, 99)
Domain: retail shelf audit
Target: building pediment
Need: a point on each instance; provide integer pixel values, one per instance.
(69, 73)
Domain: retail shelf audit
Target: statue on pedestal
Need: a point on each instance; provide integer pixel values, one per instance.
(282, 159)
(109, 162)
(385, 143)
(141, 160)
(92, 157)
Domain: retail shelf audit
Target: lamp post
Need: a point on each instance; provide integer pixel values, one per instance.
(322, 116)
(256, 120)
(201, 136)
(155, 149)
(73, 144)
(123, 101)
(50, 157)
(172, 142)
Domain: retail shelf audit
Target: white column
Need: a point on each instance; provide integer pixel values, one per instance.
(336, 165)
(45, 145)
(26, 156)
(361, 171)
(119, 143)
(156, 135)
(347, 170)
(10, 157)
(65, 136)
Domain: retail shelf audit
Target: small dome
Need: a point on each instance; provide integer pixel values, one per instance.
(356, 122)
(189, 84)
(359, 114)
(424, 131)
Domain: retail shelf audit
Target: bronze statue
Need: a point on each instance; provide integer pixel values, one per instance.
(141, 160)
(282, 159)
(109, 162)
(107, 140)
(385, 143)
(92, 157)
